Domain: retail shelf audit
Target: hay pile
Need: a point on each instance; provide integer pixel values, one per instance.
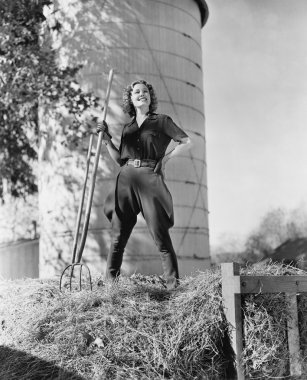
(132, 330)
(136, 329)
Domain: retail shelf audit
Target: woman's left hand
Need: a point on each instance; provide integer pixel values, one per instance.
(160, 167)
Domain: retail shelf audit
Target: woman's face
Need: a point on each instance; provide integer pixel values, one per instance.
(140, 96)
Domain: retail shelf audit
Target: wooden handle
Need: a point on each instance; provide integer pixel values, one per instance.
(94, 173)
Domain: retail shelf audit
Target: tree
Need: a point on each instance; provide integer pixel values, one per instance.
(276, 227)
(30, 77)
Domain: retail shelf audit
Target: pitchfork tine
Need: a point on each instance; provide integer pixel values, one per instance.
(80, 275)
(72, 267)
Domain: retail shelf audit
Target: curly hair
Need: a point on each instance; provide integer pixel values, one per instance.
(127, 105)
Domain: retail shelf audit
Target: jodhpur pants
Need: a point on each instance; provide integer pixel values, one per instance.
(141, 190)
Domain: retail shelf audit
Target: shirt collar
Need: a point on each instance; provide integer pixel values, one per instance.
(151, 116)
(130, 122)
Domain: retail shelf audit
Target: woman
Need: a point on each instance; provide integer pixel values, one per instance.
(140, 184)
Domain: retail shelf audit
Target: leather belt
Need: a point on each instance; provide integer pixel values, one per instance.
(142, 163)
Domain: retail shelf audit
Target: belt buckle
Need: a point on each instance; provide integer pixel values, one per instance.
(137, 163)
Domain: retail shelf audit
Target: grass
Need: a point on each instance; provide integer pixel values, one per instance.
(136, 329)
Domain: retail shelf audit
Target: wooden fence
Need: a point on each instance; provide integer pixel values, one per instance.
(234, 285)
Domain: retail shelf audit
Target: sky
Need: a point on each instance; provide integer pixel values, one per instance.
(255, 84)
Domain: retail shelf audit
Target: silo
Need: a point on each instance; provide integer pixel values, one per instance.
(159, 41)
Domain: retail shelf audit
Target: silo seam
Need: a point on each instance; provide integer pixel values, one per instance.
(139, 229)
(99, 205)
(198, 65)
(94, 73)
(172, 102)
(155, 257)
(188, 206)
(179, 8)
(100, 179)
(183, 105)
(144, 24)
(201, 185)
(195, 158)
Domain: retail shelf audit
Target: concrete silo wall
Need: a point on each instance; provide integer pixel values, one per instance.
(159, 41)
(19, 259)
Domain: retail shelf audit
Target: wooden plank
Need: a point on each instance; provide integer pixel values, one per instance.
(273, 284)
(293, 336)
(233, 310)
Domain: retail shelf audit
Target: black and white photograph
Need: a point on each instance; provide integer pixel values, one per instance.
(153, 199)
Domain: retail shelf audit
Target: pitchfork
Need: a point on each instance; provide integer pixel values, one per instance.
(76, 256)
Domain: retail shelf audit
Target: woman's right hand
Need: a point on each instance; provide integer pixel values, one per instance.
(102, 126)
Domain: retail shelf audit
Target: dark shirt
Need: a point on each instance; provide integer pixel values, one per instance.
(150, 141)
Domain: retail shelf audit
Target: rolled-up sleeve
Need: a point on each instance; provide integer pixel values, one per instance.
(172, 130)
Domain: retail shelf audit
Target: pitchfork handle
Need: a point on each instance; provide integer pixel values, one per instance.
(94, 173)
(88, 159)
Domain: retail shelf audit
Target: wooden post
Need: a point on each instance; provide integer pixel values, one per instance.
(232, 302)
(293, 336)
